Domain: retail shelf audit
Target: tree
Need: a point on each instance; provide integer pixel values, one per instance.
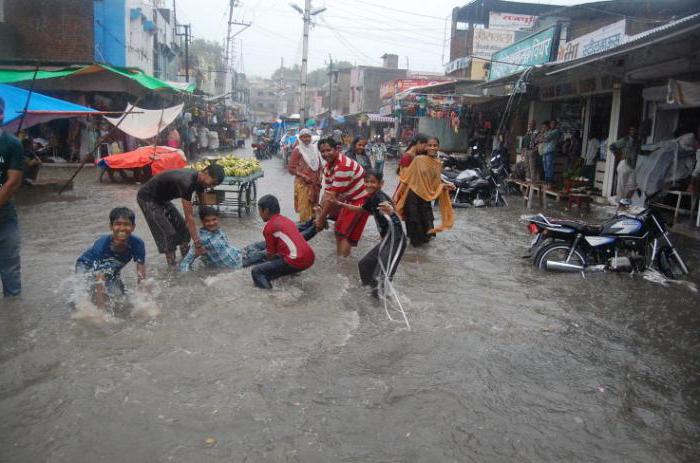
(206, 55)
(315, 78)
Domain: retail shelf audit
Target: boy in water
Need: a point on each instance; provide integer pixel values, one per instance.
(287, 250)
(102, 263)
(220, 253)
(383, 260)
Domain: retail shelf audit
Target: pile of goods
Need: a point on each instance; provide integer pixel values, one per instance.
(233, 166)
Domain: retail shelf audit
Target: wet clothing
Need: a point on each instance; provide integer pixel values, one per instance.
(167, 225)
(169, 185)
(362, 159)
(629, 147)
(101, 258)
(420, 219)
(386, 255)
(350, 225)
(292, 253)
(11, 158)
(9, 251)
(307, 185)
(423, 185)
(282, 238)
(222, 254)
(371, 205)
(345, 177)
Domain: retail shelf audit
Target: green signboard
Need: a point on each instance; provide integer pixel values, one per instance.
(534, 49)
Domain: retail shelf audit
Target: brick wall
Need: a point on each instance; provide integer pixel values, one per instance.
(51, 30)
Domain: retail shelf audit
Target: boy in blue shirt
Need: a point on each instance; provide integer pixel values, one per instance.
(103, 262)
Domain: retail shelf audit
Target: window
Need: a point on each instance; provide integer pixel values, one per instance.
(462, 26)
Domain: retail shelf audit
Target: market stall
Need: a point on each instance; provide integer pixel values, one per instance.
(238, 192)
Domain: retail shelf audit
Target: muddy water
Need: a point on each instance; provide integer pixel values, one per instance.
(503, 363)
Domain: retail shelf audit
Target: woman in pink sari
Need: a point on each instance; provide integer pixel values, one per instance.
(173, 139)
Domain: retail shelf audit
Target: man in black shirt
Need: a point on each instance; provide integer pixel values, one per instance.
(382, 260)
(168, 227)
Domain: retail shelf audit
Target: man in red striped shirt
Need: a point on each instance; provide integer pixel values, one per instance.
(345, 181)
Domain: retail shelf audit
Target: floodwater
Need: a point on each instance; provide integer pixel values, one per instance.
(502, 362)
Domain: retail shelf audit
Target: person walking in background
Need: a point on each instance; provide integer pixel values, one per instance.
(358, 152)
(420, 185)
(11, 169)
(591, 156)
(305, 165)
(191, 141)
(415, 148)
(173, 139)
(378, 154)
(532, 156)
(626, 149)
(551, 143)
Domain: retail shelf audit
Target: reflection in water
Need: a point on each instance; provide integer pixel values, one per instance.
(503, 363)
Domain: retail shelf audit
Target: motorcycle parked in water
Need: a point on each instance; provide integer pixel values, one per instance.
(629, 241)
(262, 149)
(480, 186)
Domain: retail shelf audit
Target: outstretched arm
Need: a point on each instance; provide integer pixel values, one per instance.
(327, 204)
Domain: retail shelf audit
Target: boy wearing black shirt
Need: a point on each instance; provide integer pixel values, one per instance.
(383, 260)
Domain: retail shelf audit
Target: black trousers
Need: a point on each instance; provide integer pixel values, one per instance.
(386, 254)
(167, 225)
(264, 273)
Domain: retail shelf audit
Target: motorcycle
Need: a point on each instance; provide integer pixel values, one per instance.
(629, 241)
(262, 150)
(480, 186)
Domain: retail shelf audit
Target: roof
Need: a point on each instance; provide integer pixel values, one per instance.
(665, 32)
(628, 8)
(477, 11)
(14, 74)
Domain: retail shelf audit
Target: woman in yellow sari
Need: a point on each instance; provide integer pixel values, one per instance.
(305, 165)
(420, 184)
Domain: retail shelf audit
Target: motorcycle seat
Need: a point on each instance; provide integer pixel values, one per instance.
(581, 227)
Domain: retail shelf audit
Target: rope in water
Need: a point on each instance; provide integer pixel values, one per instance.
(386, 283)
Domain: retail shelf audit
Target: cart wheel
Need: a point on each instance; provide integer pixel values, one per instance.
(254, 199)
(247, 198)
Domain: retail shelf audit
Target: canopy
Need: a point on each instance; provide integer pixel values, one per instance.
(160, 158)
(41, 108)
(146, 123)
(94, 77)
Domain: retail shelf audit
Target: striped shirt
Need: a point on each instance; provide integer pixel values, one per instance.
(346, 178)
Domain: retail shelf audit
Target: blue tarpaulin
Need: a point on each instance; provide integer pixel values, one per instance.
(41, 108)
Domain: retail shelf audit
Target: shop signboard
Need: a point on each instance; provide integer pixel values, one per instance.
(530, 51)
(393, 87)
(457, 64)
(605, 38)
(511, 21)
(488, 41)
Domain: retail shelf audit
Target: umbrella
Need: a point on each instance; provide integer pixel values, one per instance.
(41, 108)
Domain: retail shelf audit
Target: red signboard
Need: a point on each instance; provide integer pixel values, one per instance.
(391, 88)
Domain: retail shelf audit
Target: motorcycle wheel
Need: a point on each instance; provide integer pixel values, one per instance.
(668, 265)
(558, 252)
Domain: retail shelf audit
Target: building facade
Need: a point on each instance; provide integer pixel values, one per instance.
(365, 84)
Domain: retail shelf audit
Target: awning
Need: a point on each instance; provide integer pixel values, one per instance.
(94, 77)
(41, 108)
(145, 123)
(380, 118)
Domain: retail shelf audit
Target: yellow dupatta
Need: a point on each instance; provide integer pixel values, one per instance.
(423, 178)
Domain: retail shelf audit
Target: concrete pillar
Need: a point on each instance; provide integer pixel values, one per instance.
(612, 137)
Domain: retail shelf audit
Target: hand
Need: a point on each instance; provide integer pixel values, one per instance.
(199, 250)
(320, 224)
(450, 186)
(386, 208)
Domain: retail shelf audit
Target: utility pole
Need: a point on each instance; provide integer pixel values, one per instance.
(307, 12)
(187, 37)
(330, 92)
(229, 38)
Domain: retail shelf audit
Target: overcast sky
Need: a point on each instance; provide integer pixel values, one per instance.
(358, 31)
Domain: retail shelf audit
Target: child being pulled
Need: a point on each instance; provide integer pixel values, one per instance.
(102, 263)
(220, 253)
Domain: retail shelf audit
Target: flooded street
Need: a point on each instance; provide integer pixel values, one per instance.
(503, 362)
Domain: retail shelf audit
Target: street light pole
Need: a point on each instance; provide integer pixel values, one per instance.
(307, 13)
(304, 61)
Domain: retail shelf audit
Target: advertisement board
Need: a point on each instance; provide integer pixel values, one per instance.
(511, 21)
(488, 41)
(602, 39)
(457, 64)
(530, 51)
(391, 88)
